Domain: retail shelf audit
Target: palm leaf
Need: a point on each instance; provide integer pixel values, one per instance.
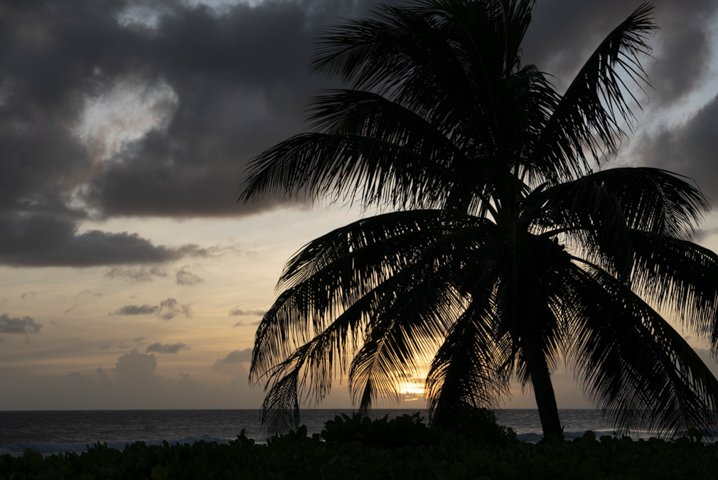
(587, 115)
(633, 364)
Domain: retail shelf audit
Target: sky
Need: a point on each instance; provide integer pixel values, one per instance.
(129, 275)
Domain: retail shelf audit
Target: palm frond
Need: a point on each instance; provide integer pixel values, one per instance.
(470, 369)
(634, 365)
(679, 277)
(600, 210)
(588, 114)
(332, 272)
(338, 167)
(425, 300)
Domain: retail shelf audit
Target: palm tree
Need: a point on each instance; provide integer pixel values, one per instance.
(501, 251)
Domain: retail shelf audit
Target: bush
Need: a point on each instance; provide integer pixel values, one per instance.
(385, 433)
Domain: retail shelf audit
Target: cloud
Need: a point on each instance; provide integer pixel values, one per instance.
(41, 240)
(688, 148)
(166, 348)
(135, 275)
(231, 364)
(133, 383)
(136, 368)
(563, 34)
(184, 277)
(161, 118)
(247, 324)
(136, 310)
(192, 250)
(166, 310)
(22, 325)
(169, 309)
(148, 121)
(236, 356)
(90, 293)
(239, 312)
(28, 295)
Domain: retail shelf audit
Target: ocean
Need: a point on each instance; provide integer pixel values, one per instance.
(51, 432)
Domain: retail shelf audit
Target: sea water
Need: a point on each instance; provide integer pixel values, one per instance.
(61, 431)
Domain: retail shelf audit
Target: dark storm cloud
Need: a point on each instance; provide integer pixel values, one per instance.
(689, 148)
(22, 325)
(166, 348)
(222, 86)
(238, 78)
(136, 310)
(215, 87)
(43, 240)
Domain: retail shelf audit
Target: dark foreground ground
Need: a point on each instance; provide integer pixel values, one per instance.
(388, 450)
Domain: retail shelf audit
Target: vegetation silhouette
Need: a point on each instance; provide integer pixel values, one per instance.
(505, 248)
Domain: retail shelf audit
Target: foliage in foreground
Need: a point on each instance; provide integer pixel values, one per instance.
(446, 456)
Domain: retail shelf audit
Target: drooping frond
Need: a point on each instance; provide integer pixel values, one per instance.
(427, 298)
(471, 368)
(599, 211)
(336, 270)
(634, 365)
(680, 278)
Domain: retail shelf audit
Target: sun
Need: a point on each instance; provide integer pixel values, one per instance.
(412, 390)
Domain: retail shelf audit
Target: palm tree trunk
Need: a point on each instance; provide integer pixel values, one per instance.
(543, 390)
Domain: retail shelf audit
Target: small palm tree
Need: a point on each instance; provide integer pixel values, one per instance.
(501, 252)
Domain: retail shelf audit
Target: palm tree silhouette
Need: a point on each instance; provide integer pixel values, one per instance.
(501, 251)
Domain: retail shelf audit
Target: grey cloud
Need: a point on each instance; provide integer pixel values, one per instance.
(192, 250)
(239, 312)
(237, 356)
(90, 293)
(231, 364)
(28, 294)
(43, 240)
(184, 276)
(247, 324)
(222, 85)
(22, 325)
(166, 310)
(563, 34)
(136, 310)
(239, 77)
(136, 274)
(699, 235)
(170, 308)
(133, 384)
(136, 368)
(689, 149)
(166, 348)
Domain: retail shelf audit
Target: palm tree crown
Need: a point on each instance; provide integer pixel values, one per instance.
(502, 252)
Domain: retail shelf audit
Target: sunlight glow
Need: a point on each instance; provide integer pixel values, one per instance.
(412, 390)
